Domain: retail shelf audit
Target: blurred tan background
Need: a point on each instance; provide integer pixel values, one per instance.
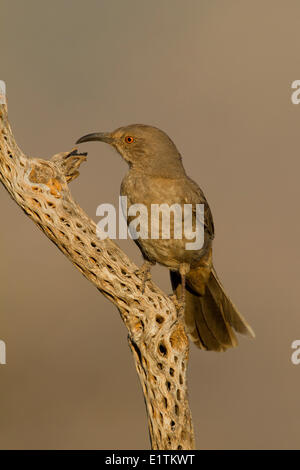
(216, 76)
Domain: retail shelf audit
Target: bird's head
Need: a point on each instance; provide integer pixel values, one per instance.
(140, 145)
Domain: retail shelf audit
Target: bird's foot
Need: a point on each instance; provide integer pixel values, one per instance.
(174, 299)
(179, 305)
(144, 273)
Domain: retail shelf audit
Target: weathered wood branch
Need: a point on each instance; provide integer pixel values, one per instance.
(156, 337)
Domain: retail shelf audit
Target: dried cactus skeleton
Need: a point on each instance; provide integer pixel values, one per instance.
(156, 336)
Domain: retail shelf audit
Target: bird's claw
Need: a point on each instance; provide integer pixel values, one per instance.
(179, 305)
(174, 299)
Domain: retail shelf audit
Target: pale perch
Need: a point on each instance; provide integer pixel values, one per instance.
(156, 337)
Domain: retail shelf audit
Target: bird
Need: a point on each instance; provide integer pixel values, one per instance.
(156, 175)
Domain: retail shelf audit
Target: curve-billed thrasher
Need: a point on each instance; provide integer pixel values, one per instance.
(156, 176)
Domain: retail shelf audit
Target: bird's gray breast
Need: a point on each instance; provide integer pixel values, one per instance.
(150, 192)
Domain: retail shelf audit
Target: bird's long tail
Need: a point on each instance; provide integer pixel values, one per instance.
(210, 317)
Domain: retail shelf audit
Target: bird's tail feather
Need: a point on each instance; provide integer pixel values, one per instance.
(211, 318)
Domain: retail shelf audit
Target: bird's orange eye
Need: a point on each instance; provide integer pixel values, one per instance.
(129, 139)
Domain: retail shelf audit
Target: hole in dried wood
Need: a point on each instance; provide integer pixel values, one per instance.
(79, 267)
(48, 230)
(65, 249)
(109, 295)
(137, 350)
(36, 201)
(37, 215)
(159, 319)
(93, 275)
(162, 349)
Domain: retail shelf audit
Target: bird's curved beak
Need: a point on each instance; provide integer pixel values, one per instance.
(101, 136)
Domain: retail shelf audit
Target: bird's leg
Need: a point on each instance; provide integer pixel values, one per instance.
(183, 271)
(144, 273)
(181, 303)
